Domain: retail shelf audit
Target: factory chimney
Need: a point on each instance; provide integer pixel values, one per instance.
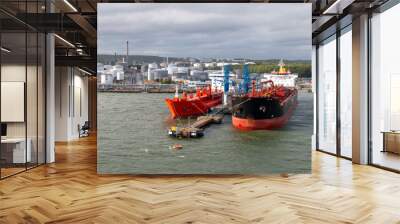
(127, 52)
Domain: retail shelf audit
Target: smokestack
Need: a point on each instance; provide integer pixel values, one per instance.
(127, 52)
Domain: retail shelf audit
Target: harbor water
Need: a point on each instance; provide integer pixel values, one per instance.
(133, 139)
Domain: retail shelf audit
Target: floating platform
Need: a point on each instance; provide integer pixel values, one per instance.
(196, 129)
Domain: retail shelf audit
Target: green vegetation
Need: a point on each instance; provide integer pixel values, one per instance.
(303, 68)
(165, 81)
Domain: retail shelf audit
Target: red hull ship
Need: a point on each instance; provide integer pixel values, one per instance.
(189, 105)
(268, 108)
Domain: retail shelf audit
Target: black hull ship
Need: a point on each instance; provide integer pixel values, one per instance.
(269, 107)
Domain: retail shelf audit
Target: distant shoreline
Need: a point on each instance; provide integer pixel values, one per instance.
(303, 90)
(153, 90)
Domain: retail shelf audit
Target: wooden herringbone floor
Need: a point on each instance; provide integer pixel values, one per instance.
(70, 191)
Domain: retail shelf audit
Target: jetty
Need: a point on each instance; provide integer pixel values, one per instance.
(195, 130)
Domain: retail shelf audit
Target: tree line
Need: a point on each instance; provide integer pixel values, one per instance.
(303, 69)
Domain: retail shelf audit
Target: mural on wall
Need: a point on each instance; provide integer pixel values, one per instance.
(204, 88)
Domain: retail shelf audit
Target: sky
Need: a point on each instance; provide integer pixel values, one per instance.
(231, 30)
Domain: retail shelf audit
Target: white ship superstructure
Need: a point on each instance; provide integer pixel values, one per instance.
(283, 77)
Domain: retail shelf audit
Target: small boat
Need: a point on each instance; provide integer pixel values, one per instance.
(187, 132)
(177, 146)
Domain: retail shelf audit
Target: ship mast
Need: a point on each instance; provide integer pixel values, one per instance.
(282, 69)
(176, 91)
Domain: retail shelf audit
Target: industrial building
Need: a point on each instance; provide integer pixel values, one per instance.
(198, 75)
(158, 74)
(48, 93)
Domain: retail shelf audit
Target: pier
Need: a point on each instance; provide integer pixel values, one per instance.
(195, 130)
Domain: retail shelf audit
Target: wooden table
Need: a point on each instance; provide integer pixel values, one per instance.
(391, 141)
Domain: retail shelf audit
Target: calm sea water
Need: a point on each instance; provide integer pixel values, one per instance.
(133, 139)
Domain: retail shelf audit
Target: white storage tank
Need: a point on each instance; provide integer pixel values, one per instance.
(221, 64)
(159, 74)
(120, 75)
(183, 70)
(172, 69)
(108, 67)
(118, 67)
(143, 68)
(210, 65)
(100, 67)
(180, 74)
(106, 79)
(197, 65)
(151, 67)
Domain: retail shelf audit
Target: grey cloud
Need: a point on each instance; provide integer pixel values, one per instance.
(258, 31)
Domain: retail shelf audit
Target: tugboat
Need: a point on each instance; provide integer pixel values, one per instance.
(186, 132)
(268, 107)
(189, 105)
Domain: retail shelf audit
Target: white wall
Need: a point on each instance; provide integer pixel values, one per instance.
(13, 101)
(11, 73)
(33, 126)
(71, 102)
